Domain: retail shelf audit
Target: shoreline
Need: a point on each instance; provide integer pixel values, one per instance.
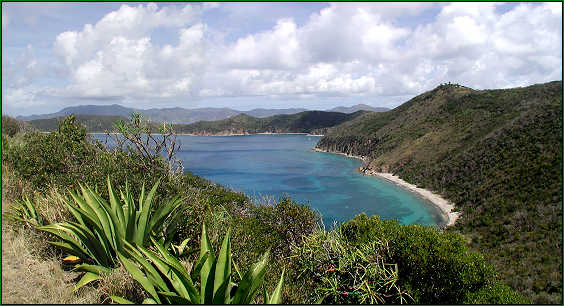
(234, 134)
(444, 206)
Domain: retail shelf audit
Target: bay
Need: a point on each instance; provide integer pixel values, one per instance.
(274, 166)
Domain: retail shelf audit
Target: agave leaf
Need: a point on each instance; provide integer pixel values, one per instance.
(208, 269)
(250, 283)
(199, 264)
(171, 267)
(69, 248)
(149, 301)
(96, 269)
(144, 221)
(120, 300)
(169, 259)
(174, 298)
(138, 275)
(88, 277)
(101, 213)
(118, 211)
(221, 296)
(150, 271)
(276, 297)
(223, 267)
(74, 241)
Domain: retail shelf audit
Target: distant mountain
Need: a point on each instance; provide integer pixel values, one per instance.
(113, 110)
(356, 108)
(93, 123)
(263, 113)
(184, 115)
(304, 122)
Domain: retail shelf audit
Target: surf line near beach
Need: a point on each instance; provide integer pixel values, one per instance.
(446, 207)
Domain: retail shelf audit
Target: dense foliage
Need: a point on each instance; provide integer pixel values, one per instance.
(304, 122)
(286, 229)
(496, 154)
(93, 123)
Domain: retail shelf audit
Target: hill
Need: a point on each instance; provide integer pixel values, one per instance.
(304, 122)
(496, 154)
(93, 123)
(183, 115)
(355, 108)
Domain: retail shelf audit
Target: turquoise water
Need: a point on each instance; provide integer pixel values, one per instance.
(284, 165)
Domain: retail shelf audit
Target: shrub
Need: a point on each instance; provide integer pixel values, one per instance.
(436, 267)
(332, 270)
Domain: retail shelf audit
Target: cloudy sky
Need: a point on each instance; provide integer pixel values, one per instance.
(270, 55)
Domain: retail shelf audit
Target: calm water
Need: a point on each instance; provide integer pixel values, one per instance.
(284, 165)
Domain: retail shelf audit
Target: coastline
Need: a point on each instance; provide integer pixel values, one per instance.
(445, 206)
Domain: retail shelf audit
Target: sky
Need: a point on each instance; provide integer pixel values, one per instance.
(268, 55)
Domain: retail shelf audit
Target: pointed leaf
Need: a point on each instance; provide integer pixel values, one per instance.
(86, 278)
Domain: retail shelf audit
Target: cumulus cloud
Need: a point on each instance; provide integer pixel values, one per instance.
(116, 57)
(363, 49)
(381, 51)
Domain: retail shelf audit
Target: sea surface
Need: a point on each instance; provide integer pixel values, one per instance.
(268, 167)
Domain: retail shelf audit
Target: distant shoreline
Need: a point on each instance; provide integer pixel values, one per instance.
(185, 134)
(445, 206)
(248, 134)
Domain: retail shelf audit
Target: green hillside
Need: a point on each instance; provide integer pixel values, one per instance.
(304, 122)
(93, 123)
(497, 154)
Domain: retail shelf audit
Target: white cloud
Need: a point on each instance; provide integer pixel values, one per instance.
(346, 49)
(116, 57)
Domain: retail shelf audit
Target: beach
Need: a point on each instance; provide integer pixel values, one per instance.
(445, 206)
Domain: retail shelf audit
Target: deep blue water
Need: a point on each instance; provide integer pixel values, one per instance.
(284, 165)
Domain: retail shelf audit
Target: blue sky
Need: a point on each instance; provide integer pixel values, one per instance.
(268, 55)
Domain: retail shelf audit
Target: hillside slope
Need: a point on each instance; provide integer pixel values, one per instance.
(496, 154)
(304, 122)
(93, 123)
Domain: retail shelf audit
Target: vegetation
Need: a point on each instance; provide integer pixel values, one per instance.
(304, 122)
(44, 166)
(93, 123)
(168, 281)
(496, 154)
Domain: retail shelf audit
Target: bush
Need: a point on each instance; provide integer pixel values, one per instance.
(329, 269)
(436, 267)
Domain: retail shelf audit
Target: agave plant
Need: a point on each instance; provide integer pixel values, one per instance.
(102, 229)
(167, 281)
(25, 212)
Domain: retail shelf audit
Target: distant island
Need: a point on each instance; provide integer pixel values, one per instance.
(181, 115)
(308, 122)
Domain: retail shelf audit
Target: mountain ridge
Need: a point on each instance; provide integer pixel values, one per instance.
(183, 115)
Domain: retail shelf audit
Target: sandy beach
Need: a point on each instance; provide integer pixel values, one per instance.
(444, 205)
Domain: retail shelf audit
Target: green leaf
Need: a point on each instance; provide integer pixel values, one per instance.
(138, 275)
(88, 277)
(276, 297)
(251, 282)
(208, 268)
(120, 300)
(223, 267)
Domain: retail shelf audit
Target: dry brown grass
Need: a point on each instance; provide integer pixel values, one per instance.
(27, 277)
